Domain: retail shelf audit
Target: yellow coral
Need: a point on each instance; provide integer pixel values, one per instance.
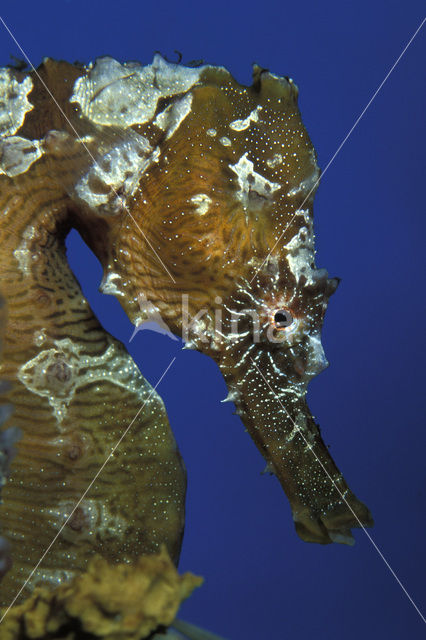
(115, 602)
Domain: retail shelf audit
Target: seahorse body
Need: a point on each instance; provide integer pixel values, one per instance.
(75, 389)
(182, 182)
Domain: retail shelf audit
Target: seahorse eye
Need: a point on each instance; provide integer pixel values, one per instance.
(282, 318)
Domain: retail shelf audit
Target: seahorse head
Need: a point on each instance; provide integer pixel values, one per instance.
(202, 191)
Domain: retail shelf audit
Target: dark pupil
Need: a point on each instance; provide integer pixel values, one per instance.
(282, 318)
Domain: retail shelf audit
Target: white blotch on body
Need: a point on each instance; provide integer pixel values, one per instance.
(14, 104)
(301, 253)
(240, 125)
(18, 154)
(172, 117)
(118, 170)
(275, 161)
(252, 183)
(202, 203)
(57, 373)
(225, 141)
(124, 94)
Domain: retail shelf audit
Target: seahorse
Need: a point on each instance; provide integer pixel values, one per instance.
(195, 193)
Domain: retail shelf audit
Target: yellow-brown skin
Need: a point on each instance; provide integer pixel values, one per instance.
(140, 492)
(217, 258)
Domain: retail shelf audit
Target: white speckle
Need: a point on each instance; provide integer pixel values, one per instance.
(225, 141)
(240, 125)
(14, 101)
(39, 337)
(18, 154)
(202, 202)
(124, 94)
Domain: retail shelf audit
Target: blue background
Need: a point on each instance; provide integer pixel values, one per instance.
(262, 581)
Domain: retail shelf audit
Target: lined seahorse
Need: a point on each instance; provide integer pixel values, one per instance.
(196, 193)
